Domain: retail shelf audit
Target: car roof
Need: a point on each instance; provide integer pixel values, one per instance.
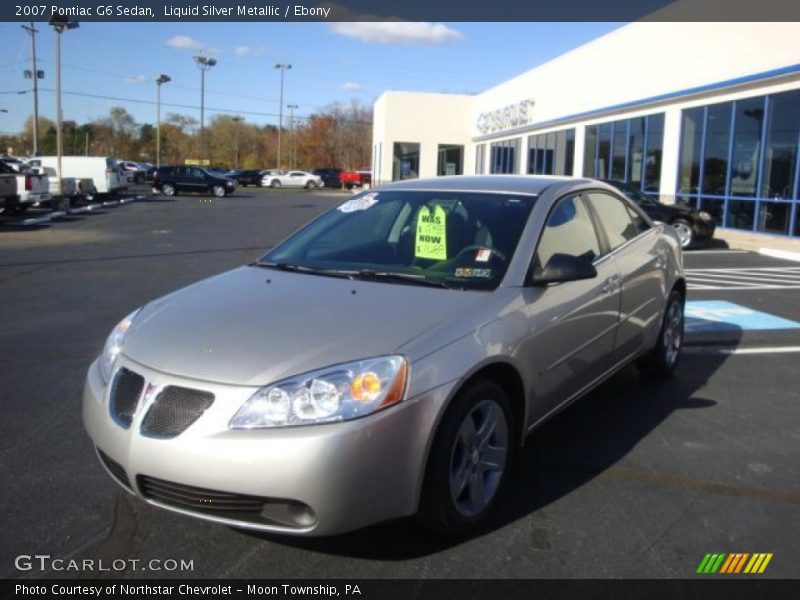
(517, 184)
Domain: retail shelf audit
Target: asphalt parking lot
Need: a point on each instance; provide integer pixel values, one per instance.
(640, 479)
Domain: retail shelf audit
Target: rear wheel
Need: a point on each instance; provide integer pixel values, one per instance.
(168, 189)
(311, 185)
(685, 232)
(663, 359)
(469, 460)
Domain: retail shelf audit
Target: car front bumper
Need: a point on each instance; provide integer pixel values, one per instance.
(313, 480)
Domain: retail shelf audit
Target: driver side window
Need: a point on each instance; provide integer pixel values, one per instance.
(569, 230)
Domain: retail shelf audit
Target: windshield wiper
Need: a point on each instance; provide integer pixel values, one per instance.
(408, 278)
(303, 269)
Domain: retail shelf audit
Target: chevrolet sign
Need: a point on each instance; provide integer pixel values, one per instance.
(507, 117)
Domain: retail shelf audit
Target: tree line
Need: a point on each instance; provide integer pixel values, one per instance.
(338, 136)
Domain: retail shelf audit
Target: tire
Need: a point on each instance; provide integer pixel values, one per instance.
(275, 184)
(459, 491)
(311, 185)
(19, 209)
(218, 191)
(663, 359)
(168, 190)
(685, 232)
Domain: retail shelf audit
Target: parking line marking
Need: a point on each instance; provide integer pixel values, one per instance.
(729, 350)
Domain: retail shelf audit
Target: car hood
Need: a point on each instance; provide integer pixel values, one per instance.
(252, 326)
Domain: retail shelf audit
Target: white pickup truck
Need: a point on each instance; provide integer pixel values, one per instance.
(32, 188)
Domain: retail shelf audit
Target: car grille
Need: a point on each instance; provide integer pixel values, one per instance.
(196, 499)
(125, 393)
(116, 469)
(174, 409)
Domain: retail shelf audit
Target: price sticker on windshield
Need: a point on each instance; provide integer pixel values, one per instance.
(362, 203)
(431, 239)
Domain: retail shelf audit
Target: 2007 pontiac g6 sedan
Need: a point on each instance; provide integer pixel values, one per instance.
(388, 358)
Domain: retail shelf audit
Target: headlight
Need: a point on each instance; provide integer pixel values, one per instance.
(337, 393)
(705, 216)
(114, 345)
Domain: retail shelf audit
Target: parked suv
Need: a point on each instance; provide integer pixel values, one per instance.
(173, 180)
(329, 176)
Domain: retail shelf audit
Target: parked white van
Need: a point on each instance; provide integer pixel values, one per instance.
(103, 171)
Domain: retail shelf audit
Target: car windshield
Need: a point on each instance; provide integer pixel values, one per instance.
(449, 239)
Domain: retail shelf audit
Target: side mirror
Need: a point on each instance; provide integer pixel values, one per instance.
(564, 267)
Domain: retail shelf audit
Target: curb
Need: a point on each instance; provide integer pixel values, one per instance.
(784, 254)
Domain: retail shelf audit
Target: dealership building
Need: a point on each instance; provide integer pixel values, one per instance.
(706, 114)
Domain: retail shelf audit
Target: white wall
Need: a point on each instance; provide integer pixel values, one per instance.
(428, 119)
(643, 60)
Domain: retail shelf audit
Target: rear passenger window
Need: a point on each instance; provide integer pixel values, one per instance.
(614, 218)
(569, 230)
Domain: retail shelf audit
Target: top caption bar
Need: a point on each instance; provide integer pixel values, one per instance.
(407, 10)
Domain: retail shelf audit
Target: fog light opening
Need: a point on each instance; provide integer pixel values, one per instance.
(290, 513)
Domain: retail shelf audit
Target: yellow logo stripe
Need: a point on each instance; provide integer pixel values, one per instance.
(751, 564)
(765, 563)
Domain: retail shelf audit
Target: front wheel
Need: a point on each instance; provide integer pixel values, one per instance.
(218, 191)
(168, 189)
(685, 232)
(469, 460)
(275, 184)
(663, 359)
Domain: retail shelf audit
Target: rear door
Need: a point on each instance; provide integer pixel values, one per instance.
(572, 325)
(635, 248)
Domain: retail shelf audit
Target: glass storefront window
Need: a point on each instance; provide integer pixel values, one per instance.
(774, 217)
(780, 147)
(636, 150)
(504, 157)
(603, 151)
(746, 145)
(691, 145)
(619, 150)
(717, 145)
(551, 153)
(450, 160)
(741, 214)
(569, 152)
(590, 151)
(405, 163)
(654, 150)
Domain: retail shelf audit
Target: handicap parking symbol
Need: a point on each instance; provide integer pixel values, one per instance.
(717, 315)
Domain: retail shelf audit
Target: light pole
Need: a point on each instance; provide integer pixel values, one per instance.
(160, 80)
(60, 25)
(282, 68)
(236, 120)
(36, 75)
(291, 108)
(204, 64)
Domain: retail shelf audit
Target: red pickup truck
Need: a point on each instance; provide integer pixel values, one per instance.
(351, 179)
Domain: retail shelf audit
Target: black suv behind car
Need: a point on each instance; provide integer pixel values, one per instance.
(330, 177)
(186, 179)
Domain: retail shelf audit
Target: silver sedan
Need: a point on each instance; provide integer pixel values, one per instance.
(389, 358)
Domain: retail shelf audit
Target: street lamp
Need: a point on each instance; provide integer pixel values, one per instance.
(59, 24)
(160, 80)
(283, 68)
(236, 120)
(291, 108)
(204, 64)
